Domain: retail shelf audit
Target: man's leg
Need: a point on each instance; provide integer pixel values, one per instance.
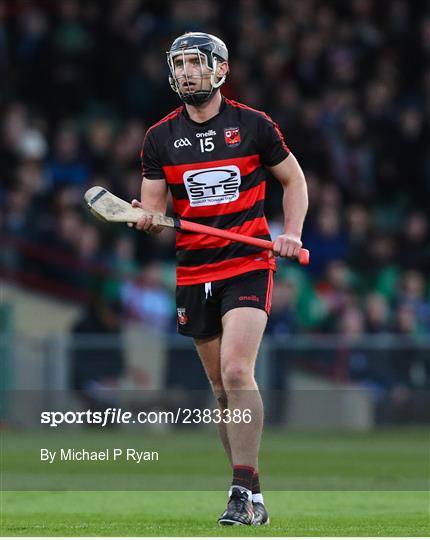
(243, 329)
(209, 350)
(242, 332)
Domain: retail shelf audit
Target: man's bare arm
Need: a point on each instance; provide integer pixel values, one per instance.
(154, 199)
(295, 206)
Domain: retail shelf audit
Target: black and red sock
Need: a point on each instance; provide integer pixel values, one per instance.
(243, 476)
(256, 483)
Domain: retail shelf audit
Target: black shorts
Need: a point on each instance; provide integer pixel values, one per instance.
(200, 308)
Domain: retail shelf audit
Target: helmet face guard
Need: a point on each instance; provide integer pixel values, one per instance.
(210, 51)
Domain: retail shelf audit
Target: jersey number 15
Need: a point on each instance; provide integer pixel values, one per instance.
(207, 145)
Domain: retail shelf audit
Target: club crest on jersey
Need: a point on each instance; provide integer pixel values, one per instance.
(182, 316)
(219, 185)
(232, 136)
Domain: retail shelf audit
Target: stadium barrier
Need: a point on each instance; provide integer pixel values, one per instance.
(308, 382)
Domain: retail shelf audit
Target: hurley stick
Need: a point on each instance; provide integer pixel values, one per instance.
(108, 207)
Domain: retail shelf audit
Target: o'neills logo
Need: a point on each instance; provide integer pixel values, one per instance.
(252, 298)
(209, 133)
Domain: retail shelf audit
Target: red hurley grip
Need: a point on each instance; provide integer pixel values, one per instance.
(236, 237)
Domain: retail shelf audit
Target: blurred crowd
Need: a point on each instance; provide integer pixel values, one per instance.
(349, 84)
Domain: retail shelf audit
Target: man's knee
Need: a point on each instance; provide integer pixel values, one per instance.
(237, 375)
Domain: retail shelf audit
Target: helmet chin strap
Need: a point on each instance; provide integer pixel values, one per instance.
(197, 98)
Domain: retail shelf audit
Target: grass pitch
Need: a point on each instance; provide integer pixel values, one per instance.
(391, 467)
(158, 513)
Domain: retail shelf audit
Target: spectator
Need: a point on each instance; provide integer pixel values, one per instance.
(283, 320)
(66, 165)
(146, 300)
(95, 367)
(326, 240)
(415, 236)
(377, 314)
(413, 293)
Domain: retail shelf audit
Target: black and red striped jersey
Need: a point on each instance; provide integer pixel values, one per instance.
(215, 173)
